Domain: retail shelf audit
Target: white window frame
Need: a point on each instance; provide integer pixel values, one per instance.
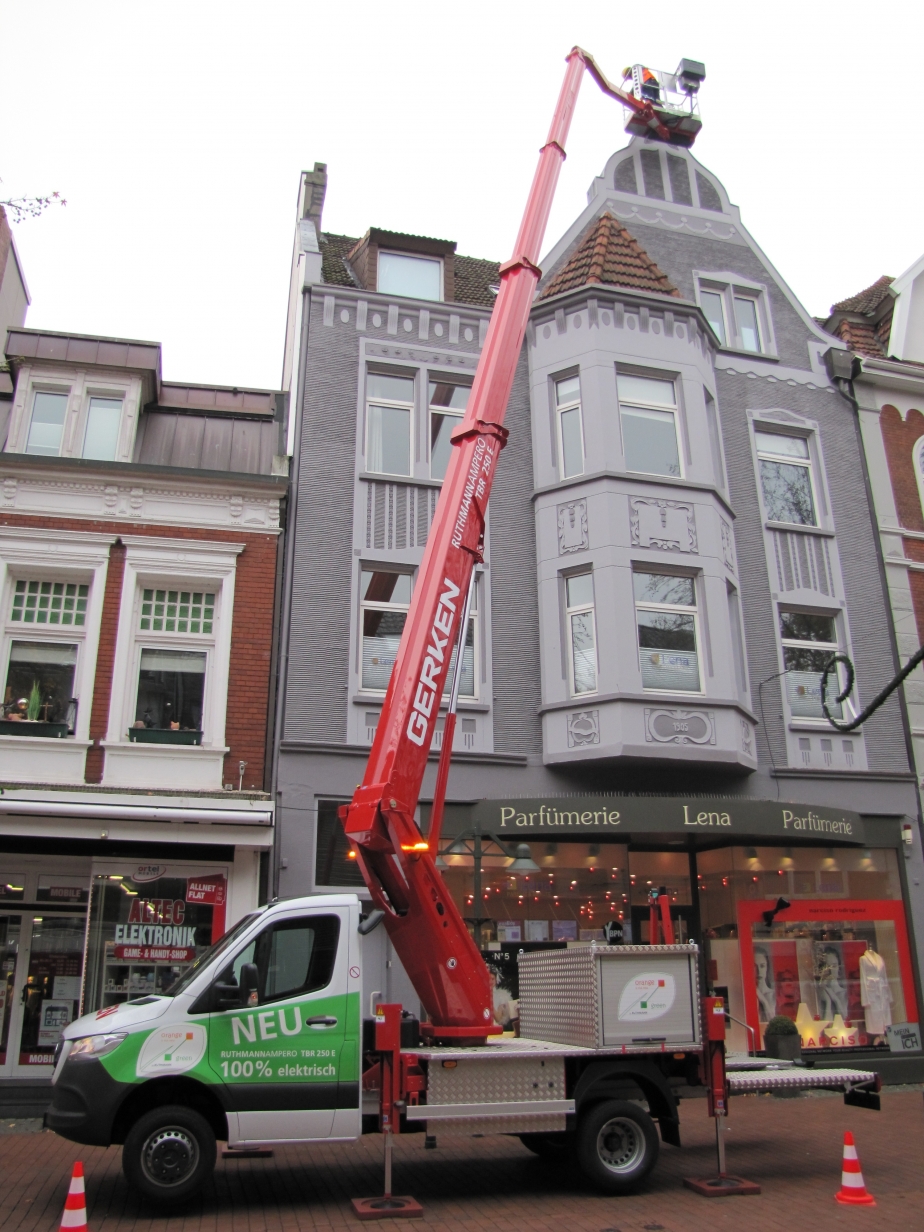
(560, 409)
(580, 609)
(57, 556)
(639, 403)
(674, 609)
(375, 605)
(917, 458)
(109, 396)
(729, 287)
(39, 388)
(411, 256)
(447, 411)
(174, 564)
(390, 402)
(808, 463)
(849, 710)
(79, 387)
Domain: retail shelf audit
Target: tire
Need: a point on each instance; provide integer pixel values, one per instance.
(617, 1145)
(548, 1146)
(169, 1154)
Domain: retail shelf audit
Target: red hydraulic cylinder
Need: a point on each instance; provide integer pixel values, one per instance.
(424, 924)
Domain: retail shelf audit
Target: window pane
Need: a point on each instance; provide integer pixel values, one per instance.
(334, 865)
(444, 394)
(379, 586)
(746, 314)
(416, 277)
(102, 435)
(381, 639)
(50, 603)
(389, 440)
(803, 682)
(47, 427)
(664, 588)
(780, 445)
(667, 644)
(580, 589)
(645, 389)
(572, 447)
(467, 679)
(583, 653)
(441, 429)
(391, 388)
(568, 390)
(171, 687)
(712, 310)
(808, 627)
(787, 493)
(298, 957)
(39, 682)
(650, 439)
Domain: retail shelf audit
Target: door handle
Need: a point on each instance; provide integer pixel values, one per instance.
(321, 1020)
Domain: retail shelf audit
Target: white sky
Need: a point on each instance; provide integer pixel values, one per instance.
(177, 131)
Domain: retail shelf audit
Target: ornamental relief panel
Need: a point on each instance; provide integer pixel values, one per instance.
(669, 726)
(666, 524)
(572, 527)
(583, 728)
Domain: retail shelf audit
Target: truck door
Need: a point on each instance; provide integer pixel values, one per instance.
(280, 1056)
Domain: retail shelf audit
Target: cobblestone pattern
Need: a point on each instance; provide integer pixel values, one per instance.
(791, 1148)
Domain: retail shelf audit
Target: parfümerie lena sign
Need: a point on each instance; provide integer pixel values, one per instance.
(624, 815)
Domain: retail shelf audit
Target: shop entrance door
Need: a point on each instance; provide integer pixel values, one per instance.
(682, 917)
(41, 968)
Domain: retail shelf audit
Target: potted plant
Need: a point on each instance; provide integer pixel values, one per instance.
(782, 1039)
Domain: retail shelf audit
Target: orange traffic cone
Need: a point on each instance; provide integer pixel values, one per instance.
(75, 1208)
(853, 1190)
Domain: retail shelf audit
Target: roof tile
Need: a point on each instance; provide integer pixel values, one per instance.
(868, 300)
(609, 255)
(474, 277)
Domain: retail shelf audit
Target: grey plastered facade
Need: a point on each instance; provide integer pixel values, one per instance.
(527, 734)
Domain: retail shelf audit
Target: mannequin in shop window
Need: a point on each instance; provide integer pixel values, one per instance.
(875, 994)
(832, 987)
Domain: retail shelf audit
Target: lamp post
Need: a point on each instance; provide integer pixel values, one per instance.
(473, 843)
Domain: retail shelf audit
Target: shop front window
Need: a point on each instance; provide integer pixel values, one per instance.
(51, 993)
(10, 932)
(146, 928)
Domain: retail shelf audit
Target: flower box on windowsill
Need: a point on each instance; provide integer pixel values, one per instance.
(23, 727)
(163, 735)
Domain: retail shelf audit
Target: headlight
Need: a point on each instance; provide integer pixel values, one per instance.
(96, 1045)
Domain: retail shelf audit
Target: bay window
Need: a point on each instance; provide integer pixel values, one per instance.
(665, 610)
(582, 640)
(389, 416)
(648, 412)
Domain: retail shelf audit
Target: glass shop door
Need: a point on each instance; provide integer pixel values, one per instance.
(46, 990)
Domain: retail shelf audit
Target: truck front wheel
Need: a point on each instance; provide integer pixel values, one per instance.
(617, 1145)
(169, 1154)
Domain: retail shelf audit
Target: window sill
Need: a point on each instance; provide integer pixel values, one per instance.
(175, 750)
(382, 477)
(800, 528)
(821, 727)
(376, 699)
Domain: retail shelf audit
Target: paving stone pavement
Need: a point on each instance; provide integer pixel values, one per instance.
(791, 1147)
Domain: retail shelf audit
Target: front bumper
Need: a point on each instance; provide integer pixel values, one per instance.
(85, 1100)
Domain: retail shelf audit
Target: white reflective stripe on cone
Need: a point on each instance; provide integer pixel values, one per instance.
(76, 1185)
(74, 1219)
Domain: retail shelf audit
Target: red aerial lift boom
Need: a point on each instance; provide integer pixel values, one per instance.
(397, 862)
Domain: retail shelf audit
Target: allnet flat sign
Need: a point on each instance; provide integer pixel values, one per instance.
(714, 817)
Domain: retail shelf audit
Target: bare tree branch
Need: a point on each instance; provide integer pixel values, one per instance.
(19, 208)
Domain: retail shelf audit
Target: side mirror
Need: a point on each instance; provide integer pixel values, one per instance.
(250, 984)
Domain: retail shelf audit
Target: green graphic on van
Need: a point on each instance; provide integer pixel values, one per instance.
(172, 1050)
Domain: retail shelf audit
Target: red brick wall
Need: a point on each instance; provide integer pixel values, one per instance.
(251, 637)
(900, 436)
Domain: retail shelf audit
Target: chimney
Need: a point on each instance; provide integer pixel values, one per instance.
(315, 190)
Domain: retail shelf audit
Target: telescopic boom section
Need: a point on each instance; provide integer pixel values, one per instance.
(424, 924)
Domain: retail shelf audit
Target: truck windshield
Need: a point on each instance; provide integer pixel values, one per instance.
(211, 954)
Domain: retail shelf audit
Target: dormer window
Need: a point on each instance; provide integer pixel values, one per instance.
(46, 427)
(413, 277)
(104, 418)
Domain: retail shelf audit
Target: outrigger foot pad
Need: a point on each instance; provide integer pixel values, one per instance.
(721, 1186)
(387, 1207)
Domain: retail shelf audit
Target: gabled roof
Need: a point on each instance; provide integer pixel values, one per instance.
(609, 255)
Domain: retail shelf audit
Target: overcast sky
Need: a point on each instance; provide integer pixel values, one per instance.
(177, 131)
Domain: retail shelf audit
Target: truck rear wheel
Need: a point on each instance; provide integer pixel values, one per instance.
(169, 1154)
(617, 1145)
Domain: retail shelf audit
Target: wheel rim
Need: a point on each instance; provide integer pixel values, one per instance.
(620, 1145)
(169, 1156)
